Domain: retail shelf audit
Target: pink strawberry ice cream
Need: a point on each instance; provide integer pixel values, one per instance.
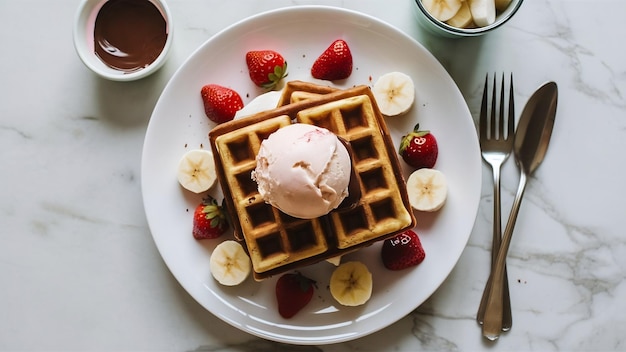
(303, 170)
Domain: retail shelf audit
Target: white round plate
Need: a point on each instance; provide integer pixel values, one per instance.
(302, 33)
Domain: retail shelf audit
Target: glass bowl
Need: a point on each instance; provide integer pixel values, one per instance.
(440, 28)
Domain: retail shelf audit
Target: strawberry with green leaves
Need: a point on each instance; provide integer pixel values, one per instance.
(293, 292)
(220, 103)
(266, 67)
(419, 149)
(209, 220)
(402, 251)
(334, 63)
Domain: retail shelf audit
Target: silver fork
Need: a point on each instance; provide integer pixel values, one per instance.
(496, 143)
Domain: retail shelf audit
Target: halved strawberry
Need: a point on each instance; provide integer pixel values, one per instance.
(293, 292)
(209, 220)
(335, 62)
(220, 103)
(402, 251)
(266, 67)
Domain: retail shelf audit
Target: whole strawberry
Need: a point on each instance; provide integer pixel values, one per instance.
(335, 62)
(220, 103)
(266, 67)
(402, 251)
(293, 292)
(419, 149)
(209, 220)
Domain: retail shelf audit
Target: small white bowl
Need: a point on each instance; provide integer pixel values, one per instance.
(437, 27)
(84, 42)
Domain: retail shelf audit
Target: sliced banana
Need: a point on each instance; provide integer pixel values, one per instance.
(463, 17)
(394, 93)
(229, 263)
(483, 12)
(427, 189)
(442, 10)
(501, 5)
(351, 284)
(196, 170)
(336, 260)
(265, 101)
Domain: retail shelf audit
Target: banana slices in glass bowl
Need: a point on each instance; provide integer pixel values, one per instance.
(464, 18)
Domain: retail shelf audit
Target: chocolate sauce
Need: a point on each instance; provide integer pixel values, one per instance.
(129, 34)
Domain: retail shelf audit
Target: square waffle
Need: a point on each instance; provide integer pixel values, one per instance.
(277, 242)
(272, 237)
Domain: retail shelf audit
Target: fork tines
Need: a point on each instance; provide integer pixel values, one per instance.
(489, 129)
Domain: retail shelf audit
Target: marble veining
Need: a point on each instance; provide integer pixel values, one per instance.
(80, 271)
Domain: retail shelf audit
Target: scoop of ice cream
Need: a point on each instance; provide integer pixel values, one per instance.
(303, 170)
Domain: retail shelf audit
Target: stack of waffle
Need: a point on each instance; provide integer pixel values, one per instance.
(377, 207)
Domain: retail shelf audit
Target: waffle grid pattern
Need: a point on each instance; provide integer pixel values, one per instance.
(273, 237)
(380, 209)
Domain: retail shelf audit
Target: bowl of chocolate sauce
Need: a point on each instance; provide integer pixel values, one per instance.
(123, 40)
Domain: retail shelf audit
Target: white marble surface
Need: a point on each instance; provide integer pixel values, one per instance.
(80, 271)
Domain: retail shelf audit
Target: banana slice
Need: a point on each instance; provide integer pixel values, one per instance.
(463, 17)
(483, 12)
(229, 263)
(196, 170)
(427, 189)
(442, 10)
(394, 93)
(501, 5)
(336, 260)
(351, 284)
(265, 101)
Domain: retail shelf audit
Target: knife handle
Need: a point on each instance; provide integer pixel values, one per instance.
(492, 325)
